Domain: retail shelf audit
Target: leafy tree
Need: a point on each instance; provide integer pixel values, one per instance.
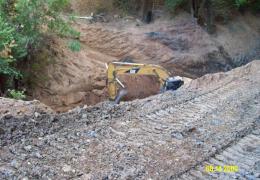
(7, 43)
(23, 26)
(207, 11)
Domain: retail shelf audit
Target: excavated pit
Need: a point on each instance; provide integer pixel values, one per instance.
(179, 45)
(162, 137)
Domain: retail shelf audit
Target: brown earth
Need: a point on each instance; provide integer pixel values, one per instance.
(140, 86)
(165, 136)
(73, 79)
(179, 45)
(85, 7)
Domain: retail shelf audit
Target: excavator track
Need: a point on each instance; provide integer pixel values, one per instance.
(245, 154)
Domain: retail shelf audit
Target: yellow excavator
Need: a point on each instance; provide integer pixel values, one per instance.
(117, 90)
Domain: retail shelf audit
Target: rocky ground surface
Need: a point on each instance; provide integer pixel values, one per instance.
(243, 154)
(161, 137)
(12, 108)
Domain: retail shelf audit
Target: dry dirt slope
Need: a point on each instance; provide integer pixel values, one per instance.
(161, 137)
(178, 44)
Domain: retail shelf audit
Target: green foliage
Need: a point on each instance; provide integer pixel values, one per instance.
(7, 70)
(241, 3)
(23, 26)
(15, 94)
(72, 17)
(6, 34)
(173, 5)
(7, 42)
(34, 18)
(222, 9)
(62, 28)
(74, 45)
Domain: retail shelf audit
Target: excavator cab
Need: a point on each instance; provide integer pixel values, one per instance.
(173, 83)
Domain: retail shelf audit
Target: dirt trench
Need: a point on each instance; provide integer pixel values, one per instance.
(162, 137)
(179, 45)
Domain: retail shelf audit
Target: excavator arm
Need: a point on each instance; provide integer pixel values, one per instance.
(118, 68)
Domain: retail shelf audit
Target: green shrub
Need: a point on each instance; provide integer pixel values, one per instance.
(241, 3)
(23, 28)
(15, 94)
(7, 43)
(74, 45)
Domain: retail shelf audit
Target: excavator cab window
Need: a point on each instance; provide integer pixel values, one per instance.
(173, 83)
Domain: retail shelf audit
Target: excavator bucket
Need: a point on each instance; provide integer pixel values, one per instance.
(120, 95)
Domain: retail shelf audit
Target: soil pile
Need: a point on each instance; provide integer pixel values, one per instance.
(161, 136)
(12, 108)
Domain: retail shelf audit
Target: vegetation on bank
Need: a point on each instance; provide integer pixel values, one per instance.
(24, 24)
(207, 11)
(16, 94)
(218, 5)
(173, 5)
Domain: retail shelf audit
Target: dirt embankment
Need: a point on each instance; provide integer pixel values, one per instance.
(160, 137)
(179, 45)
(74, 78)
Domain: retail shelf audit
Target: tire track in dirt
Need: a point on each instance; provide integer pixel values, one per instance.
(244, 154)
(159, 137)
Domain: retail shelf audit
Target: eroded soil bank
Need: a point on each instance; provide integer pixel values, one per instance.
(179, 45)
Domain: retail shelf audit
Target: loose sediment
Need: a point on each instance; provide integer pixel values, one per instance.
(212, 120)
